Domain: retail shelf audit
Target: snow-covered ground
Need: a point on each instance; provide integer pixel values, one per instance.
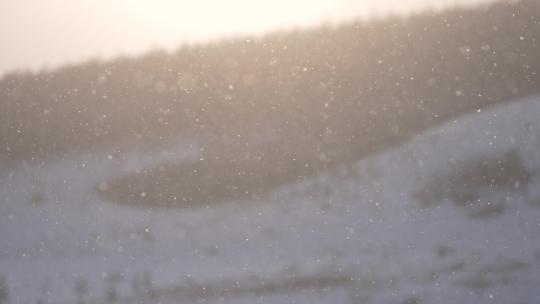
(363, 233)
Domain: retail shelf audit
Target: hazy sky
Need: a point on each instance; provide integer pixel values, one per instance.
(47, 33)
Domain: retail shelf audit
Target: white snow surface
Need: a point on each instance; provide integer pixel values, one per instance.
(360, 225)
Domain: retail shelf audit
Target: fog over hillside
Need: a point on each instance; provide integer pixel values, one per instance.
(386, 161)
(302, 100)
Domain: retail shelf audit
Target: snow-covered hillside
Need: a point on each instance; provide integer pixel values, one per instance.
(453, 216)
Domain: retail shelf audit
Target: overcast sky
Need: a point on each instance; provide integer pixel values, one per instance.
(47, 33)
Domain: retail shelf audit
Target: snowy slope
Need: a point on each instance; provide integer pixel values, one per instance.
(363, 233)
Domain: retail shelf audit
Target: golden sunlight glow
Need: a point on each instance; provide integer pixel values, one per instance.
(37, 33)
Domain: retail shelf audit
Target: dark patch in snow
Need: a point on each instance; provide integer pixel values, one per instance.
(470, 185)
